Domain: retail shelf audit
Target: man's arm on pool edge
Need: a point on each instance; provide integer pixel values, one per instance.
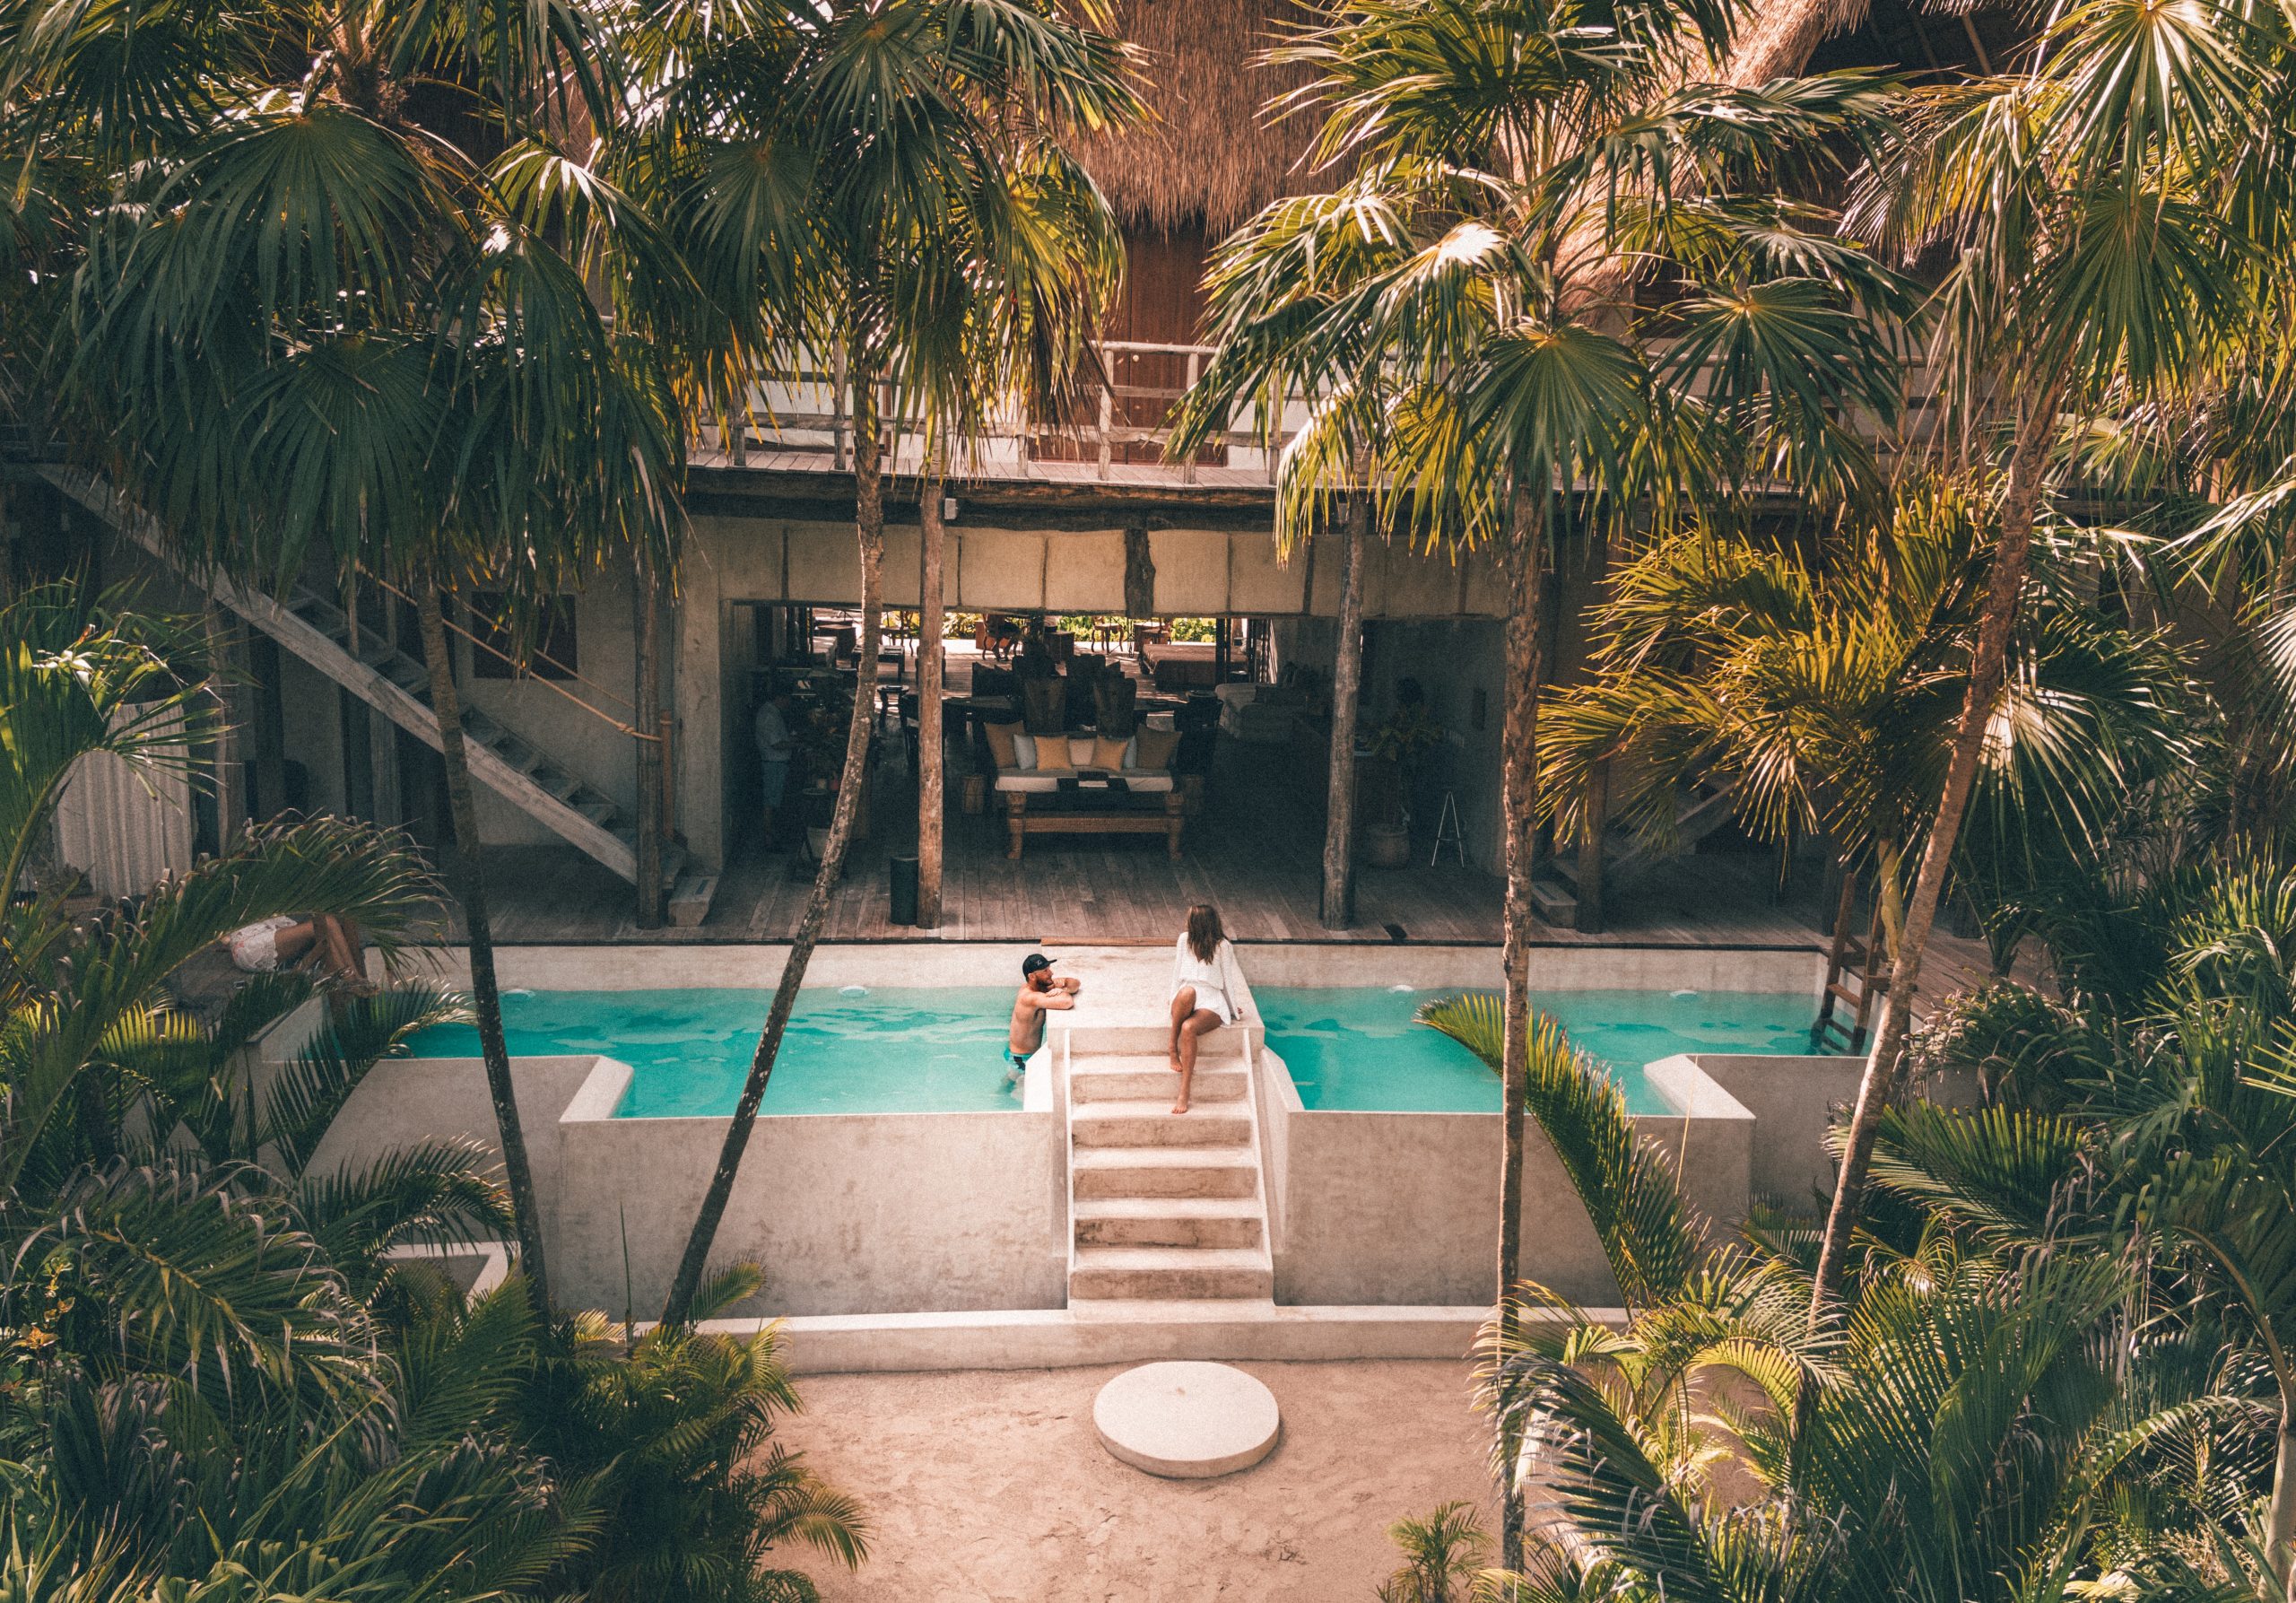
(1057, 1000)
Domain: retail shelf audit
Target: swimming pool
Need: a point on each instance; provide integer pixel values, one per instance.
(887, 1050)
(1356, 1049)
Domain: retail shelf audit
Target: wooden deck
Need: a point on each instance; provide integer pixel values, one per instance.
(1250, 852)
(1257, 858)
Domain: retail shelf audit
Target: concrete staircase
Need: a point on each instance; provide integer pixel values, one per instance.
(314, 627)
(1164, 1207)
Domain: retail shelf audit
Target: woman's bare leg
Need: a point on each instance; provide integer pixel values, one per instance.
(294, 943)
(338, 944)
(1183, 1005)
(1198, 1023)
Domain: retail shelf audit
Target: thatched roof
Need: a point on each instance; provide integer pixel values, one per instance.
(1209, 155)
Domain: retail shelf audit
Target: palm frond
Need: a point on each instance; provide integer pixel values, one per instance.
(1626, 1184)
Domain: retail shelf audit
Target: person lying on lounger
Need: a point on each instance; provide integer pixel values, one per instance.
(1039, 992)
(321, 941)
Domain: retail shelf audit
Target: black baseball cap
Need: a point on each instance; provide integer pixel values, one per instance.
(1032, 963)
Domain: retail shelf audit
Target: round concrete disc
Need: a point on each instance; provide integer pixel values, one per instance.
(1186, 1421)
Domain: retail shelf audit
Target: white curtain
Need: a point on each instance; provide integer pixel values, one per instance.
(123, 827)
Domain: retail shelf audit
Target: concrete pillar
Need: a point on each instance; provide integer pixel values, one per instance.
(270, 726)
(704, 705)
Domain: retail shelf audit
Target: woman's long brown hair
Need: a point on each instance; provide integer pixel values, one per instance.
(1204, 932)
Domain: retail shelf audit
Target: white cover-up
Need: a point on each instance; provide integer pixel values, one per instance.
(255, 947)
(1210, 977)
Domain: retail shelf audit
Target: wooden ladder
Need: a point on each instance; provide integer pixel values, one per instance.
(1852, 978)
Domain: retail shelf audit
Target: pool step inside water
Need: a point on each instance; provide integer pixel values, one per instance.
(1165, 1207)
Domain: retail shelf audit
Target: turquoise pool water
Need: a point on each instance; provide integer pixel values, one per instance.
(1357, 1048)
(888, 1050)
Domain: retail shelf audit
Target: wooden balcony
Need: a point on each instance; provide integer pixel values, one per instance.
(1117, 438)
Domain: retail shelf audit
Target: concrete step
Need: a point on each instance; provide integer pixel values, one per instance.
(1098, 1171)
(1166, 1311)
(690, 895)
(1154, 1124)
(1168, 1222)
(1170, 1271)
(1554, 905)
(1139, 1079)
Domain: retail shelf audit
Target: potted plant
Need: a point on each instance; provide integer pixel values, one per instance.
(819, 735)
(1393, 747)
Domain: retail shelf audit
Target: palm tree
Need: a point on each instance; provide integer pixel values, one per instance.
(1441, 1559)
(1820, 683)
(1998, 1418)
(2152, 1110)
(1456, 308)
(1004, 327)
(2097, 209)
(340, 312)
(882, 182)
(678, 1424)
(189, 1301)
(88, 1025)
(236, 1364)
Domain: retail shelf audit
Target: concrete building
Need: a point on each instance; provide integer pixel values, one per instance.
(1090, 520)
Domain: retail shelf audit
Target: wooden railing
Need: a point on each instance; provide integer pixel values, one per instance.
(1124, 421)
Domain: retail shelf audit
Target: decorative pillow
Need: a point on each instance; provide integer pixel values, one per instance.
(1153, 748)
(1109, 753)
(1024, 751)
(1080, 750)
(1050, 756)
(1000, 742)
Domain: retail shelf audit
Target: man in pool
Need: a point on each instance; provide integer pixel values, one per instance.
(1040, 991)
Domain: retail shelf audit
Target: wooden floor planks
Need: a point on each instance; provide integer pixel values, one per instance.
(1250, 852)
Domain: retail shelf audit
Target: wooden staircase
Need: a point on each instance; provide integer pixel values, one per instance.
(1164, 1207)
(1853, 978)
(315, 628)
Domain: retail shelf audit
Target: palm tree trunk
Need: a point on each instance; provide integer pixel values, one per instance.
(1346, 688)
(2280, 1520)
(466, 878)
(1519, 770)
(1777, 40)
(2019, 504)
(647, 693)
(869, 522)
(932, 777)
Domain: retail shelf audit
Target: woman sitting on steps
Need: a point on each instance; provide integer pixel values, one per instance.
(1200, 1003)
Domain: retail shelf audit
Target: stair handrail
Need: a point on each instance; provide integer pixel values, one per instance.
(1061, 1066)
(488, 646)
(1254, 1080)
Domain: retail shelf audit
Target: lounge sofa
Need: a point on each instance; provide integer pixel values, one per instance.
(1080, 784)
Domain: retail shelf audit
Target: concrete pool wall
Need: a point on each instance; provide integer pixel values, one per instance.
(1436, 969)
(1403, 1207)
(847, 1213)
(1370, 1207)
(915, 1213)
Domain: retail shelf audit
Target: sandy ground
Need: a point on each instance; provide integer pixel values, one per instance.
(992, 1486)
